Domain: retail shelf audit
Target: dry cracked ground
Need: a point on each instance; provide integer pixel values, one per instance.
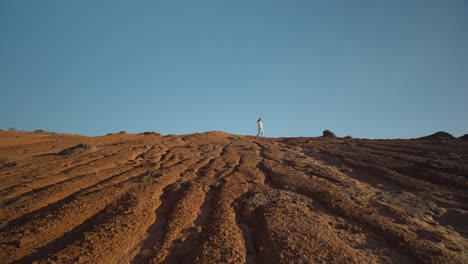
(221, 198)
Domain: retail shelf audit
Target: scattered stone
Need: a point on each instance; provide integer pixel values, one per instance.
(150, 176)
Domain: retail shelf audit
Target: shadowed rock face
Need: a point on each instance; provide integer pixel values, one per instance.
(221, 198)
(441, 135)
(328, 133)
(76, 149)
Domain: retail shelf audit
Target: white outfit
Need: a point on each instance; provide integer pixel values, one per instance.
(260, 128)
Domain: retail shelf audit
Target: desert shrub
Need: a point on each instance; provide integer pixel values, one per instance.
(39, 131)
(328, 133)
(123, 132)
(150, 133)
(12, 129)
(348, 137)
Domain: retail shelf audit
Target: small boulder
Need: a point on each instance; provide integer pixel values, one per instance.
(329, 134)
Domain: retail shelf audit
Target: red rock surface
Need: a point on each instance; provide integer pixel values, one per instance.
(222, 198)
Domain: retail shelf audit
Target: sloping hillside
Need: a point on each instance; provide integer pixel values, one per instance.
(222, 198)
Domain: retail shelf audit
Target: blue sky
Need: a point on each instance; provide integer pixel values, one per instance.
(370, 69)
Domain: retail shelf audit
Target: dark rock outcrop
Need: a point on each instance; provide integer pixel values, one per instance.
(441, 135)
(329, 134)
(76, 149)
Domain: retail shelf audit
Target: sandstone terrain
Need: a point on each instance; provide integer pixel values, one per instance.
(220, 198)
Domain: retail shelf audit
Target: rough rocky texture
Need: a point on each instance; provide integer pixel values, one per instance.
(329, 134)
(441, 135)
(221, 198)
(76, 149)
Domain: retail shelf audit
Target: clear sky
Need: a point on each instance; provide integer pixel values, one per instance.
(370, 69)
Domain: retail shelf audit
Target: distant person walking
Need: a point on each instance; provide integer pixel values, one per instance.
(260, 127)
